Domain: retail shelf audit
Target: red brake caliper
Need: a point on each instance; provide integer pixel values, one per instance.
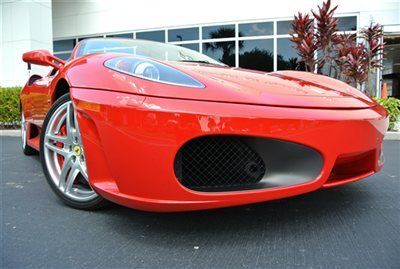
(62, 132)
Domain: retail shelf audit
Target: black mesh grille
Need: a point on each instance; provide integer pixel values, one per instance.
(218, 162)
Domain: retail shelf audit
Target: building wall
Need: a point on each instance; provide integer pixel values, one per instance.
(71, 19)
(28, 25)
(25, 26)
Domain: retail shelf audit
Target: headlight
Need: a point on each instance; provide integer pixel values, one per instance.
(151, 70)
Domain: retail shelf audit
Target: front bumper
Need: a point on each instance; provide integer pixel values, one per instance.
(131, 141)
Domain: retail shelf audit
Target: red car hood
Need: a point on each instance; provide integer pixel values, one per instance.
(284, 88)
(225, 84)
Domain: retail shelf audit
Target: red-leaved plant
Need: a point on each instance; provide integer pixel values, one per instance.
(325, 35)
(339, 56)
(355, 65)
(303, 37)
(372, 36)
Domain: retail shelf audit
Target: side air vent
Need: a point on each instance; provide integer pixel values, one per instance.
(211, 162)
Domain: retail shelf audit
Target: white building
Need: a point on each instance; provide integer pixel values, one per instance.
(254, 24)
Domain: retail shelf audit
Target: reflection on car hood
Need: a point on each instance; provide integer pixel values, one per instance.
(284, 88)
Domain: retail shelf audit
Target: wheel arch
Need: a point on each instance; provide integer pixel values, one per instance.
(62, 87)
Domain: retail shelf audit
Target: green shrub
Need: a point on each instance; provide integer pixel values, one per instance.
(9, 107)
(392, 105)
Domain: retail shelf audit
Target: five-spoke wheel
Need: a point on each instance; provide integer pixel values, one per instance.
(63, 157)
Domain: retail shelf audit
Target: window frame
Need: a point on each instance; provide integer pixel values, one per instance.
(153, 30)
(236, 38)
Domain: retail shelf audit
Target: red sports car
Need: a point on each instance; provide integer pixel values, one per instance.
(159, 127)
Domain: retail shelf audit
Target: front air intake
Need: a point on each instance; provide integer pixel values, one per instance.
(218, 162)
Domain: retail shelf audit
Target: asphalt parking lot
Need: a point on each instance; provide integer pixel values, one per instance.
(354, 226)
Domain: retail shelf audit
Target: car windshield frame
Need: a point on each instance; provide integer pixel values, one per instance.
(143, 48)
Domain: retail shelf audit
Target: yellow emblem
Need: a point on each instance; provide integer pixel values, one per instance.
(77, 150)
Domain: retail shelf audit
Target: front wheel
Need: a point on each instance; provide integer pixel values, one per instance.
(63, 159)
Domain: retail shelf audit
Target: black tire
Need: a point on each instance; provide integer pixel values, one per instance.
(29, 151)
(93, 204)
(26, 149)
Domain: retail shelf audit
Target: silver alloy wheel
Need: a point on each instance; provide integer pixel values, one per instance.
(23, 130)
(64, 156)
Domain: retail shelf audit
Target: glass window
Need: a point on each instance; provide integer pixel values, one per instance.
(257, 54)
(193, 46)
(219, 31)
(152, 35)
(128, 35)
(283, 27)
(347, 23)
(183, 34)
(83, 38)
(63, 45)
(63, 56)
(256, 29)
(391, 65)
(287, 56)
(143, 48)
(221, 51)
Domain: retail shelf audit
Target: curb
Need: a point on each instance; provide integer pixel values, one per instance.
(388, 136)
(392, 136)
(10, 132)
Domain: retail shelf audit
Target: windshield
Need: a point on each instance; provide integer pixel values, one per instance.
(144, 48)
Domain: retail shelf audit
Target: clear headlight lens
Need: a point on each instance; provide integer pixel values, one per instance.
(151, 70)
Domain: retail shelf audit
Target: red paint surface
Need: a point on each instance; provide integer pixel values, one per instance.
(132, 128)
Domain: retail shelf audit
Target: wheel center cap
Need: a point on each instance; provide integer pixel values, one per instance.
(77, 150)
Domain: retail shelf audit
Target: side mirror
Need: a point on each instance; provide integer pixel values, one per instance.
(42, 57)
